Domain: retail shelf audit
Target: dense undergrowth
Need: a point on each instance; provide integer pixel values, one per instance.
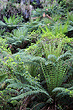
(36, 58)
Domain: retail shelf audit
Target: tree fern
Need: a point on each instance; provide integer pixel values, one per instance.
(54, 73)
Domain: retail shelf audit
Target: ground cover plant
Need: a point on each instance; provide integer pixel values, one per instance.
(36, 57)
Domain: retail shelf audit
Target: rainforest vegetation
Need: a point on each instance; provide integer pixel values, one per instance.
(36, 54)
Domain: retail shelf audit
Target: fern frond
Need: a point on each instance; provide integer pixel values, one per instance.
(54, 73)
(63, 91)
(58, 89)
(30, 93)
(11, 91)
(16, 85)
(64, 56)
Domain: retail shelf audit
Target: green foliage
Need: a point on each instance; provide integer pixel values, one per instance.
(65, 91)
(3, 48)
(12, 20)
(59, 28)
(2, 23)
(41, 73)
(50, 44)
(67, 4)
(54, 72)
(32, 63)
(70, 16)
(2, 31)
(23, 84)
(20, 32)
